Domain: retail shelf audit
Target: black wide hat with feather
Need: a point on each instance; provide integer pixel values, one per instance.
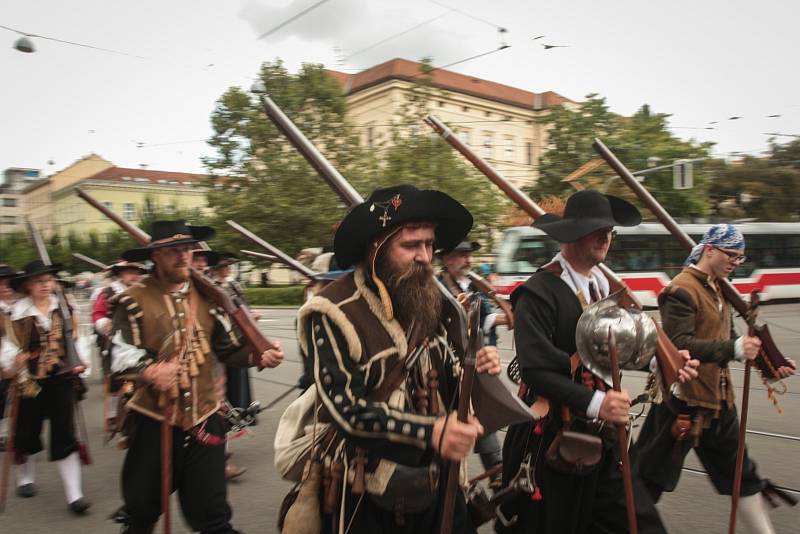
(390, 207)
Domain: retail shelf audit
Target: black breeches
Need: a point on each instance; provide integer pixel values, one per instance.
(56, 402)
(198, 475)
(658, 458)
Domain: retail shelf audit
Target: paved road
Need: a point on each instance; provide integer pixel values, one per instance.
(257, 495)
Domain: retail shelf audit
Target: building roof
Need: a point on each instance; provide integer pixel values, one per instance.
(124, 174)
(403, 69)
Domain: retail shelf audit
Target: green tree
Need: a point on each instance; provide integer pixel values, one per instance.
(761, 188)
(260, 180)
(640, 141)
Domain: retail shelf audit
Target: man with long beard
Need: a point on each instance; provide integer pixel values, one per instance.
(390, 431)
(169, 335)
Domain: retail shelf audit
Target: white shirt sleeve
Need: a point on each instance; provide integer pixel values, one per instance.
(593, 411)
(738, 349)
(101, 324)
(488, 323)
(8, 352)
(124, 355)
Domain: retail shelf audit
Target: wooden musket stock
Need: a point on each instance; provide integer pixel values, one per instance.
(234, 307)
(771, 357)
(669, 359)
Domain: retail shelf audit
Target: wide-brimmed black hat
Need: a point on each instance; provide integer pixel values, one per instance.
(7, 272)
(169, 234)
(464, 246)
(31, 269)
(223, 260)
(212, 256)
(122, 265)
(587, 211)
(390, 207)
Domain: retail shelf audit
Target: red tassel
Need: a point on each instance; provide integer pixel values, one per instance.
(536, 496)
(83, 453)
(538, 430)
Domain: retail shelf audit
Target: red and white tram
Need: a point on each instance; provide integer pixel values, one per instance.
(646, 257)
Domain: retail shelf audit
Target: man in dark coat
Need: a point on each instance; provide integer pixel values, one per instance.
(546, 312)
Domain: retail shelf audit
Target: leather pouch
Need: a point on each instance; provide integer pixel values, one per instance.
(574, 453)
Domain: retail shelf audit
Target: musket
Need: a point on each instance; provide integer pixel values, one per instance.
(306, 272)
(70, 353)
(260, 255)
(771, 357)
(474, 343)
(622, 437)
(737, 477)
(669, 359)
(275, 251)
(486, 288)
(233, 306)
(91, 261)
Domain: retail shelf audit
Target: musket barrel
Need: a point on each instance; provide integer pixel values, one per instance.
(513, 192)
(139, 235)
(335, 180)
(90, 261)
(275, 251)
(259, 255)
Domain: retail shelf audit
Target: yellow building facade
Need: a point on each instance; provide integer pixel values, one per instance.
(132, 193)
(497, 121)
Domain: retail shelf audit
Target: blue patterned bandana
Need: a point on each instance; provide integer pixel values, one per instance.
(719, 235)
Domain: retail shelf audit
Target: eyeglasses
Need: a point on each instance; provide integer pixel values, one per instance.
(733, 257)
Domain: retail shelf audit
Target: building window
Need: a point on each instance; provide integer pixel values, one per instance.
(169, 209)
(129, 211)
(487, 144)
(509, 148)
(108, 204)
(150, 207)
(464, 137)
(9, 202)
(529, 153)
(8, 219)
(370, 136)
(414, 130)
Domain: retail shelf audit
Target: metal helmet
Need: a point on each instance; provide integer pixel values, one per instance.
(634, 330)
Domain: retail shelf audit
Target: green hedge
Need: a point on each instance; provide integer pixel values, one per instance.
(274, 296)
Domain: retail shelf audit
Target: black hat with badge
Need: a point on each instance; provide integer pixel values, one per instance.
(585, 212)
(390, 207)
(169, 234)
(31, 269)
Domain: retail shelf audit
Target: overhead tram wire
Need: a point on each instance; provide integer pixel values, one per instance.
(73, 43)
(399, 34)
(291, 19)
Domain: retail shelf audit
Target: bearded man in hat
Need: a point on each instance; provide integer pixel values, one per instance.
(457, 263)
(546, 312)
(36, 357)
(391, 431)
(7, 298)
(702, 414)
(167, 334)
(124, 274)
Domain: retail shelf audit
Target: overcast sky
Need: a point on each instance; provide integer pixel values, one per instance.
(701, 61)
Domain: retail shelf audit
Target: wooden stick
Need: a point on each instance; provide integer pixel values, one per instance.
(166, 465)
(622, 437)
(737, 479)
(15, 394)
